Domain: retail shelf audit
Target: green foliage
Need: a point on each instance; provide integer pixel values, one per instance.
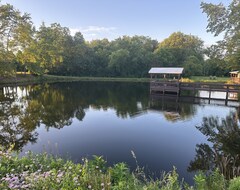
(192, 66)
(214, 181)
(181, 50)
(234, 184)
(50, 45)
(43, 171)
(15, 33)
(170, 181)
(224, 20)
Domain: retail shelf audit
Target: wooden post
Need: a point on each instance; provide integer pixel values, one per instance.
(209, 97)
(226, 101)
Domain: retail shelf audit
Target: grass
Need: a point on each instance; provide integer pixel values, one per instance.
(43, 171)
(30, 79)
(209, 79)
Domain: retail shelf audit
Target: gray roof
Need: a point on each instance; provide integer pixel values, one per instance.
(166, 70)
(234, 72)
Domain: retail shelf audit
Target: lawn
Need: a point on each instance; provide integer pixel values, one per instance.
(209, 79)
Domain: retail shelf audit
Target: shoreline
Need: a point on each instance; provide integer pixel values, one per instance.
(30, 79)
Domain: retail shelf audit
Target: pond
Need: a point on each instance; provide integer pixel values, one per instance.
(112, 119)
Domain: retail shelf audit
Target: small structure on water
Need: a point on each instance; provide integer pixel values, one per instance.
(235, 76)
(166, 73)
(165, 79)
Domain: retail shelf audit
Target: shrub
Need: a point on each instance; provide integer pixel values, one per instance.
(234, 184)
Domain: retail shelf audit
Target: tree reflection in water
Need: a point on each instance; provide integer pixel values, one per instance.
(223, 151)
(17, 124)
(23, 109)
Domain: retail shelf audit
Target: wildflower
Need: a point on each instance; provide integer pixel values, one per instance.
(14, 179)
(102, 184)
(16, 187)
(89, 187)
(11, 185)
(60, 174)
(7, 179)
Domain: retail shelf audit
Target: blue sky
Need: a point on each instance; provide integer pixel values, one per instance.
(98, 19)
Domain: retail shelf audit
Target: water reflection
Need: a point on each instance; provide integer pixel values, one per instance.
(24, 109)
(172, 107)
(17, 123)
(224, 149)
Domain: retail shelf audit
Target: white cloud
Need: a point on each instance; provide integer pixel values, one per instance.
(95, 32)
(97, 29)
(73, 31)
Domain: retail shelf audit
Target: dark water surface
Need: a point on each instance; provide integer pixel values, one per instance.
(112, 119)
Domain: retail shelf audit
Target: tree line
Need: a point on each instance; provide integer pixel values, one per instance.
(53, 50)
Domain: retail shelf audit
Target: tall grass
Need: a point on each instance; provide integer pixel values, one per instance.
(43, 171)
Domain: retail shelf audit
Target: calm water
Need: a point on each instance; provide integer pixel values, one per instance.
(111, 119)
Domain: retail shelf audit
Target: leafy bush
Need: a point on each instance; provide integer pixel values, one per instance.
(234, 184)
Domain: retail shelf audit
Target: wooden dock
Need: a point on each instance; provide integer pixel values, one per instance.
(175, 87)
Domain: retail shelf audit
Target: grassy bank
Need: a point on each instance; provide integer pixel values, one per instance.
(209, 79)
(30, 79)
(42, 171)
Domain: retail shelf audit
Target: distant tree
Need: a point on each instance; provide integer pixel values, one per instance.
(164, 57)
(225, 20)
(102, 51)
(119, 62)
(192, 66)
(78, 58)
(50, 44)
(215, 63)
(140, 54)
(188, 44)
(181, 50)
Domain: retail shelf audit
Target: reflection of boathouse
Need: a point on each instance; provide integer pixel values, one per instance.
(165, 79)
(235, 76)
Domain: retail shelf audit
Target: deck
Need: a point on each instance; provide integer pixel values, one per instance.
(174, 87)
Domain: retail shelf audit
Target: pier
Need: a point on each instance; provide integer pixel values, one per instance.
(167, 87)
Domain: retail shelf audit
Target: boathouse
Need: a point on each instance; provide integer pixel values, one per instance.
(165, 79)
(235, 76)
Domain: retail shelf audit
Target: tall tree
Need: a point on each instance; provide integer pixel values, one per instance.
(139, 57)
(225, 20)
(50, 46)
(175, 50)
(15, 33)
(102, 51)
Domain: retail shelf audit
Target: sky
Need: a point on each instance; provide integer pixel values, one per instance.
(98, 19)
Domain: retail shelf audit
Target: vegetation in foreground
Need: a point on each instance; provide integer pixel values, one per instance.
(42, 171)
